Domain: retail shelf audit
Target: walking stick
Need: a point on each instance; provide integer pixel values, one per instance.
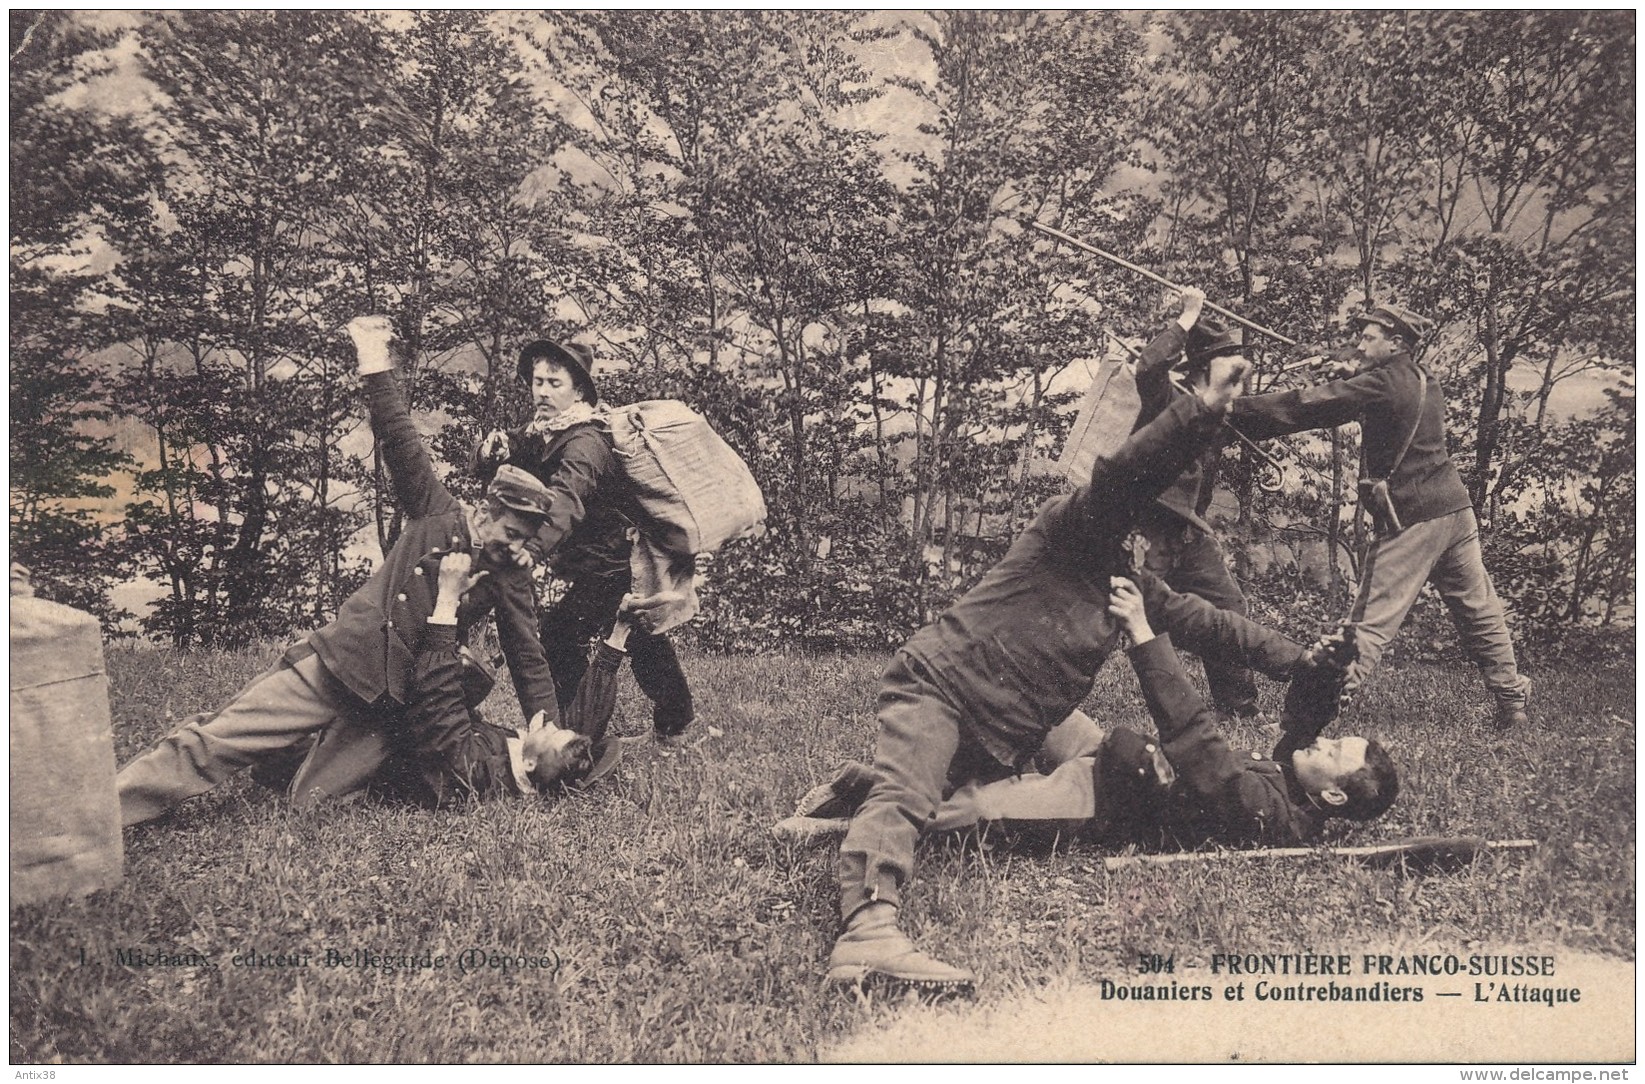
(1143, 271)
(1449, 850)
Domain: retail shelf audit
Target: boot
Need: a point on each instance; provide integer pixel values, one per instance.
(840, 796)
(1511, 710)
(872, 947)
(810, 829)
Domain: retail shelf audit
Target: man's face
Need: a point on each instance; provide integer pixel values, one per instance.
(1323, 765)
(1376, 344)
(552, 388)
(551, 753)
(502, 532)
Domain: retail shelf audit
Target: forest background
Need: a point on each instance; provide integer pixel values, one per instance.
(812, 227)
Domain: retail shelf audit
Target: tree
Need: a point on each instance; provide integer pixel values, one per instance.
(254, 130)
(70, 170)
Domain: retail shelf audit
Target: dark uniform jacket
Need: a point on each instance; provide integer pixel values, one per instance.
(1188, 496)
(442, 752)
(587, 532)
(1020, 650)
(1219, 794)
(1384, 401)
(372, 645)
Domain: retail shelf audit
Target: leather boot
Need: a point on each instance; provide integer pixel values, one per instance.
(872, 947)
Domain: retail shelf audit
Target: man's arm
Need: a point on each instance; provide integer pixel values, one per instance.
(493, 450)
(1212, 633)
(515, 608)
(585, 464)
(449, 754)
(417, 490)
(1244, 805)
(1315, 693)
(1155, 361)
(1150, 460)
(1320, 406)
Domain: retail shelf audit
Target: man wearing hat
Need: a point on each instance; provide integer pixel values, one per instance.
(351, 682)
(1425, 527)
(1182, 548)
(974, 693)
(585, 538)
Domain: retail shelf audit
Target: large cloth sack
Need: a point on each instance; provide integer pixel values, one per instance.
(1108, 412)
(65, 817)
(691, 493)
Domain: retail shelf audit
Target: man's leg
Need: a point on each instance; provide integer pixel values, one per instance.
(584, 611)
(919, 737)
(657, 671)
(1200, 569)
(1067, 794)
(1393, 574)
(1481, 620)
(279, 708)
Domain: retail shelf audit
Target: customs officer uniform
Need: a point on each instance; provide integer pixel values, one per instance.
(1396, 402)
(357, 672)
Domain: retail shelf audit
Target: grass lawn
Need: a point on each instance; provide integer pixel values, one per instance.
(676, 929)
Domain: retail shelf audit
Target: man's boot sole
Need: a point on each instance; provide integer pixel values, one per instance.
(862, 976)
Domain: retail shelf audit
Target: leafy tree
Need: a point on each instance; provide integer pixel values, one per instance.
(69, 173)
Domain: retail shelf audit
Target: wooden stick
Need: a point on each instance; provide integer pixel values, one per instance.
(1256, 449)
(1410, 846)
(1143, 271)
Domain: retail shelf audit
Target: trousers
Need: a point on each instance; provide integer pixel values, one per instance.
(1446, 553)
(919, 754)
(587, 611)
(1191, 562)
(278, 709)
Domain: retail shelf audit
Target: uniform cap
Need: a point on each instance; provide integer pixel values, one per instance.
(1398, 319)
(518, 490)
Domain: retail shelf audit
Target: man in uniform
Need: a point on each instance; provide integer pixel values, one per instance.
(1118, 787)
(975, 693)
(346, 684)
(1428, 532)
(1182, 548)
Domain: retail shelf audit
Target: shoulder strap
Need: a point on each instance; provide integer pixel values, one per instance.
(1422, 400)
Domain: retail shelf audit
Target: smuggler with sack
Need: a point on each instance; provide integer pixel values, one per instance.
(637, 495)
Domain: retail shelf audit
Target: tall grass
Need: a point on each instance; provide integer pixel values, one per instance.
(677, 929)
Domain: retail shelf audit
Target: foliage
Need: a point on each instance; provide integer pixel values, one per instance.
(812, 227)
(68, 176)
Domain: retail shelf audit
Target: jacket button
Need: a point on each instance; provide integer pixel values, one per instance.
(391, 624)
(401, 596)
(418, 571)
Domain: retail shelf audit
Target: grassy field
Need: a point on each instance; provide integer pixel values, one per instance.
(676, 930)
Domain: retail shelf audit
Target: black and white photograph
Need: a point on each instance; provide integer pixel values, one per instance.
(823, 536)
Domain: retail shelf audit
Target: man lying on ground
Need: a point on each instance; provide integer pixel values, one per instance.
(443, 751)
(1191, 787)
(974, 693)
(349, 683)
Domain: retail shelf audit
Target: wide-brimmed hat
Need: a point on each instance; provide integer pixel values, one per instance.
(1210, 338)
(1398, 319)
(577, 358)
